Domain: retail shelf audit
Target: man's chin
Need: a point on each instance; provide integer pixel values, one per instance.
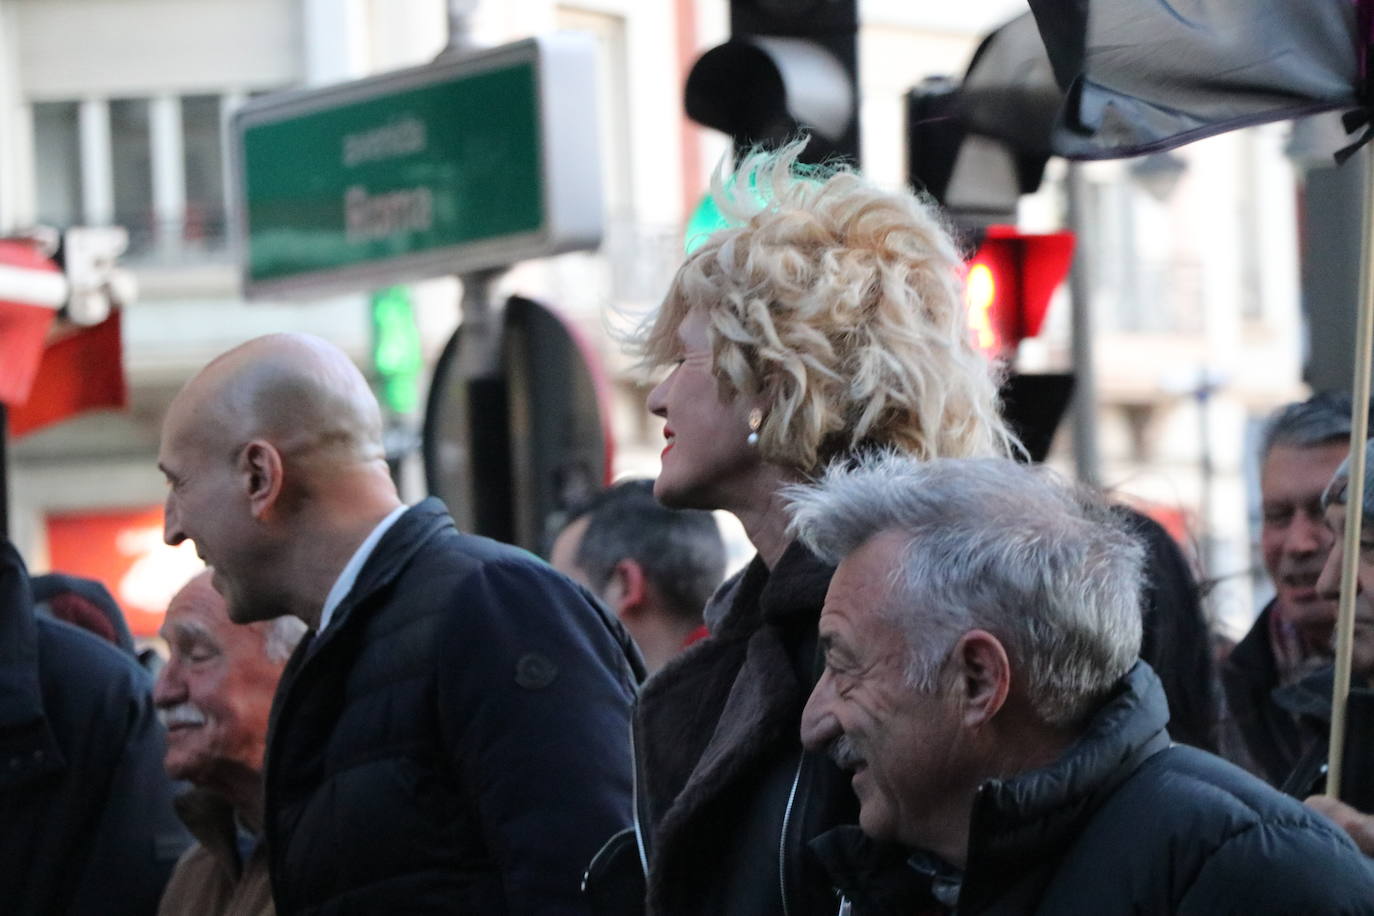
(1313, 619)
(178, 767)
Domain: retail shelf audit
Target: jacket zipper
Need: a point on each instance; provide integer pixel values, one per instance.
(634, 801)
(782, 840)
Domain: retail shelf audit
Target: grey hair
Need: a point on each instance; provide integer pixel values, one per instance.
(680, 550)
(283, 635)
(1336, 490)
(1322, 418)
(993, 545)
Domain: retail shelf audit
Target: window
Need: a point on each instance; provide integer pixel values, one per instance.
(131, 171)
(201, 124)
(152, 165)
(57, 144)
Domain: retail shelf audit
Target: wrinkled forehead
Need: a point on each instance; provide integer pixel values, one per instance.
(1300, 474)
(198, 615)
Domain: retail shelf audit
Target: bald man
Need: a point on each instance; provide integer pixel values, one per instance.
(451, 735)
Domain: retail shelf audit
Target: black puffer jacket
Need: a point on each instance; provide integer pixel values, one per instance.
(87, 826)
(1256, 732)
(727, 798)
(1309, 700)
(455, 740)
(1124, 823)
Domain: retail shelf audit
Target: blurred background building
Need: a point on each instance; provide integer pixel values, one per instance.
(114, 112)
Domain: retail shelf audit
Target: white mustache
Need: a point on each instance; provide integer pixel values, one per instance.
(844, 753)
(181, 714)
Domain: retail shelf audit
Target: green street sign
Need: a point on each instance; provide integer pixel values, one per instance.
(461, 165)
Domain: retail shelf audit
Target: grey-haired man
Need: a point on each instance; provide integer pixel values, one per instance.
(1303, 444)
(1008, 751)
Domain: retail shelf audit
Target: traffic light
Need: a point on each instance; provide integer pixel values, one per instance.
(790, 66)
(978, 144)
(1010, 280)
(396, 350)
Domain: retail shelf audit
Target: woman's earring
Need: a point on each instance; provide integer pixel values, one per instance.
(755, 421)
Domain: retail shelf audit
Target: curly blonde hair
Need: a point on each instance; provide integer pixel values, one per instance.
(841, 306)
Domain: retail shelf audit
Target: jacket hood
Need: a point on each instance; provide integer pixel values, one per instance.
(51, 585)
(1041, 808)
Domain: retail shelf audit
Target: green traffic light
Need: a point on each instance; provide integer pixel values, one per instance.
(396, 352)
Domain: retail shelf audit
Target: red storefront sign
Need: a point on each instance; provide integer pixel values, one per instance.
(124, 551)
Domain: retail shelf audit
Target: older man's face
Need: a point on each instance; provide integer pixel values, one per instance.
(902, 745)
(1294, 540)
(215, 691)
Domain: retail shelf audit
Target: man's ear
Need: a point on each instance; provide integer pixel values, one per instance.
(629, 584)
(984, 673)
(260, 469)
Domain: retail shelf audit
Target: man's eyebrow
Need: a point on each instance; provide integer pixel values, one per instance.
(186, 629)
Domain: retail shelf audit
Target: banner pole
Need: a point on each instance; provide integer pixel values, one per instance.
(1354, 501)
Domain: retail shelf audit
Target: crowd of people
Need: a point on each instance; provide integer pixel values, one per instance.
(948, 682)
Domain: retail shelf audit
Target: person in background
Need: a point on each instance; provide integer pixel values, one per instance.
(1310, 699)
(451, 737)
(88, 604)
(653, 566)
(1303, 444)
(214, 695)
(86, 820)
(827, 321)
(1008, 748)
(83, 603)
(1176, 640)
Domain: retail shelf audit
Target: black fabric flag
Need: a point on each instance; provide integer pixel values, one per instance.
(1143, 76)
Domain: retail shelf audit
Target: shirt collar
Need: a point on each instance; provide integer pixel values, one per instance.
(344, 584)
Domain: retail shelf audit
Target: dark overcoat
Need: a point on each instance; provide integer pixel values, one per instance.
(86, 818)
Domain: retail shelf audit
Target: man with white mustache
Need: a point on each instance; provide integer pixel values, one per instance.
(214, 696)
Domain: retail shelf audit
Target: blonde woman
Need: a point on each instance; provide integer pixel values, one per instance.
(827, 321)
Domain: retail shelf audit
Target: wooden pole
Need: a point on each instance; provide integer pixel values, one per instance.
(1354, 501)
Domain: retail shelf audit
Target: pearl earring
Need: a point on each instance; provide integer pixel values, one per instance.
(755, 421)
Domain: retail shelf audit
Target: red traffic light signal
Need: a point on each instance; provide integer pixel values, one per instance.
(1009, 283)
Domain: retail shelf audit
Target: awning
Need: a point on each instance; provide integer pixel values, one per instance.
(31, 289)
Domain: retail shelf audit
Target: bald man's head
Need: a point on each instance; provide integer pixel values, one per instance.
(274, 456)
(298, 392)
